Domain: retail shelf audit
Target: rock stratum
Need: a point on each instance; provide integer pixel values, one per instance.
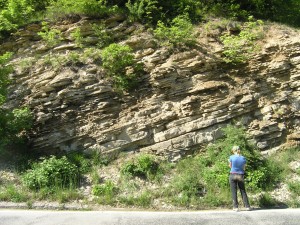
(182, 102)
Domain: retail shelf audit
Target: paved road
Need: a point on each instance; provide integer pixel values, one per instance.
(256, 217)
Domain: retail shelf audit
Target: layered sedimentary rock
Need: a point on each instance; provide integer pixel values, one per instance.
(180, 105)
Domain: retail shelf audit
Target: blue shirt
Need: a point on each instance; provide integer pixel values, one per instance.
(237, 164)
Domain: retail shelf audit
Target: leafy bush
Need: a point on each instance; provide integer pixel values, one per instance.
(17, 123)
(144, 166)
(81, 161)
(118, 62)
(51, 36)
(239, 48)
(51, 172)
(146, 11)
(180, 32)
(15, 13)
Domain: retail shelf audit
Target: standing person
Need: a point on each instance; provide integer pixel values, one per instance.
(237, 164)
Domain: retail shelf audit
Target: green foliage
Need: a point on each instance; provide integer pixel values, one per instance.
(13, 123)
(100, 159)
(106, 192)
(92, 8)
(104, 36)
(107, 189)
(267, 201)
(15, 13)
(91, 55)
(294, 188)
(118, 62)
(239, 48)
(12, 193)
(5, 70)
(51, 36)
(146, 11)
(78, 38)
(283, 11)
(187, 185)
(144, 166)
(180, 32)
(81, 161)
(51, 172)
(260, 173)
(143, 199)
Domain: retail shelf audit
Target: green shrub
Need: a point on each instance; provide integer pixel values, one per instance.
(118, 62)
(239, 48)
(267, 201)
(104, 36)
(51, 36)
(180, 32)
(106, 192)
(186, 187)
(78, 38)
(145, 11)
(108, 188)
(294, 188)
(14, 14)
(144, 166)
(51, 172)
(16, 123)
(81, 161)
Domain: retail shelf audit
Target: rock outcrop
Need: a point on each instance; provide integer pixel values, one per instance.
(182, 101)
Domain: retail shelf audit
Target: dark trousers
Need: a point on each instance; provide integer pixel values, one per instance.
(237, 181)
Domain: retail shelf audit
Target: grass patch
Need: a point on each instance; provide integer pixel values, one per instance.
(13, 193)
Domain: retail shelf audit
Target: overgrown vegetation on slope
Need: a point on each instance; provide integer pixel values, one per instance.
(197, 182)
(200, 181)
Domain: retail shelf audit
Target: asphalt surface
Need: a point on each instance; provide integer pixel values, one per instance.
(255, 217)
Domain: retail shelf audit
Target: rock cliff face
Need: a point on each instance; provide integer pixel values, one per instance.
(182, 102)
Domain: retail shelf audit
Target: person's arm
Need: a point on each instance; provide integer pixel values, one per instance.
(230, 164)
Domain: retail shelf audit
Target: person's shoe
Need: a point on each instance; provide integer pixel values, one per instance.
(248, 209)
(236, 209)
